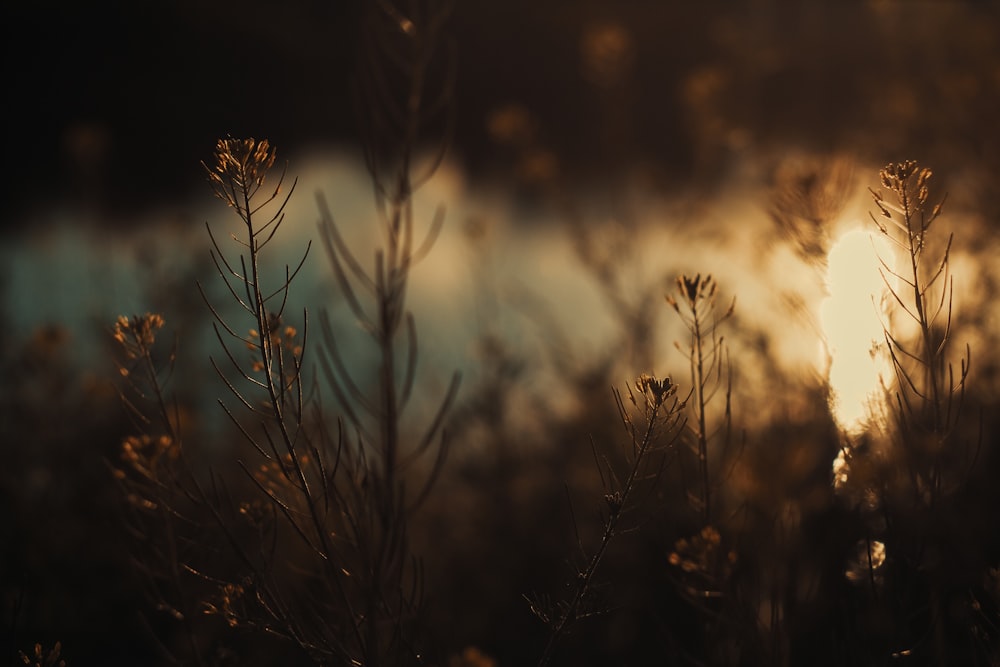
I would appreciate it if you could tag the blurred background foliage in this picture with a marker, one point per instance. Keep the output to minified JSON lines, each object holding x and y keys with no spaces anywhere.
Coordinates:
{"x":114,"y":102}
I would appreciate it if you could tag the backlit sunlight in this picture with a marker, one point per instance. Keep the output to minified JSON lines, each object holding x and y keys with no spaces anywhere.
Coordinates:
{"x":851,"y":318}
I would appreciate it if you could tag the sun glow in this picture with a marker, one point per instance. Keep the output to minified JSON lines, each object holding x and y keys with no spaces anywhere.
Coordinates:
{"x":852,"y":318}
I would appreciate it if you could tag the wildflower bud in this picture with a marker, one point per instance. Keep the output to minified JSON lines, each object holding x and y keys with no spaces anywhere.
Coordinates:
{"x":925,"y":175}
{"x":689,"y":286}
{"x":614,"y":501}
{"x":655,"y":391}
{"x":239,"y":163}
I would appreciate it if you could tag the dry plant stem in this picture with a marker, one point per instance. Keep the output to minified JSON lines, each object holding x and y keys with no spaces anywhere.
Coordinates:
{"x":400,"y":43}
{"x":167,"y":517}
{"x":272,"y":360}
{"x":656,"y":393}
{"x":180,"y":478}
{"x":388,"y":287}
{"x":136,"y":337}
{"x":238,"y":175}
{"x":706,"y":356}
{"x":350,"y":512}
{"x":698,"y":382}
{"x":928,"y":400}
{"x":928,"y":396}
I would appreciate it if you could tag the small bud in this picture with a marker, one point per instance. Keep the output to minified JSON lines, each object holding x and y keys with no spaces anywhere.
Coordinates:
{"x":614,"y":501}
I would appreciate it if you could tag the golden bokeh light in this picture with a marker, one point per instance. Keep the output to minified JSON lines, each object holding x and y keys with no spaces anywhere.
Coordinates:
{"x":851,"y":318}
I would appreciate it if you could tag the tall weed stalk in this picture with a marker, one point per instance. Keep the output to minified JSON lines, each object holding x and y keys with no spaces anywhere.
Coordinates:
{"x":929,"y":390}
{"x":711,"y":373}
{"x":400,"y":106}
{"x":932,"y":451}
{"x":653,"y":423}
{"x":318,"y":520}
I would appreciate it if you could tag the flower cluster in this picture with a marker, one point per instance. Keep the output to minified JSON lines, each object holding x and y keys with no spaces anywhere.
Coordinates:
{"x":655,"y":391}
{"x":281,"y":339}
{"x":693,"y":290}
{"x":702,"y":556}
{"x":896,"y":177}
{"x":241,"y":165}
{"x":230,"y":598}
{"x":138,"y":333}
{"x":908,"y":183}
{"x":145,"y":456}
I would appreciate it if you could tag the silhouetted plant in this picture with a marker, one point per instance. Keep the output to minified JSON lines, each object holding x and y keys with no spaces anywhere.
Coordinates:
{"x":160,"y":491}
{"x":910,"y":484}
{"x":652,"y":424}
{"x":703,"y":564}
{"x":346,"y":589}
{"x":929,"y":391}
{"x":711,"y":373}
{"x":399,"y":107}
